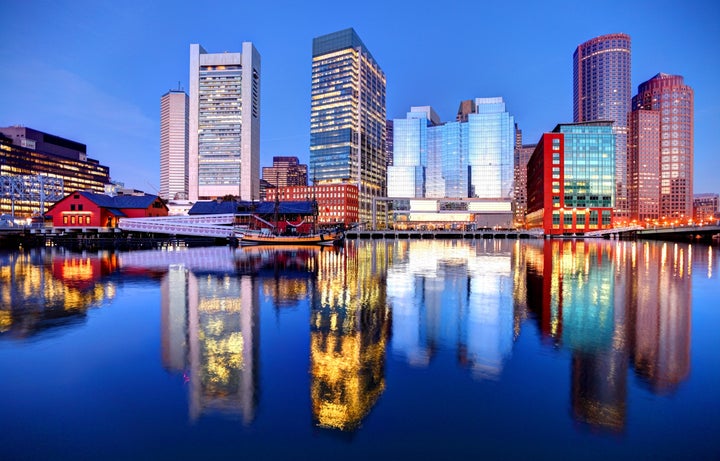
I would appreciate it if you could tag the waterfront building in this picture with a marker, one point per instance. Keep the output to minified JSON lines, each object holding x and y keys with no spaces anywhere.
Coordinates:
{"x":30,"y":157}
{"x":602,"y":90}
{"x":89,"y":209}
{"x":174,"y":106}
{"x":570,"y":179}
{"x":224,"y":119}
{"x":522,"y":156}
{"x":347,"y":119}
{"x":286,"y":171}
{"x":470,"y":160}
{"x":336,"y":203}
{"x":663,"y":112}
{"x":706,"y":206}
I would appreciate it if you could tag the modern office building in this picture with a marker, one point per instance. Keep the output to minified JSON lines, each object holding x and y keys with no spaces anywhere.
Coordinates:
{"x":469,"y":160}
{"x":286,"y":171}
{"x":602,"y":90}
{"x":570,"y":179}
{"x":706,"y":206}
{"x":174,"y":106}
{"x":664,"y":105}
{"x":644,"y":165}
{"x":224,"y":116}
{"x":347,"y":119}
{"x":31,"y":160}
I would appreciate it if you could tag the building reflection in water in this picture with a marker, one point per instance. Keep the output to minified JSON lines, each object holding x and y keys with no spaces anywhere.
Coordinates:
{"x":611,"y":304}
{"x":349,"y":330}
{"x":43,"y":290}
{"x":453,"y":293}
{"x":209,"y":317}
{"x":209,"y":327}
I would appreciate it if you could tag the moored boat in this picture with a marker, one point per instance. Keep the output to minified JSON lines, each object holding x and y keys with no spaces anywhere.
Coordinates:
{"x":266,"y":238}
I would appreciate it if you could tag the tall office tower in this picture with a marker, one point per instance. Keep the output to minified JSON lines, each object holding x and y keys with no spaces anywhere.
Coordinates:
{"x":673,"y":100}
{"x":347,"y":119}
{"x":644,"y":165}
{"x":174,"y":145}
{"x":602,"y":91}
{"x":286,"y":171}
{"x":224,"y":149}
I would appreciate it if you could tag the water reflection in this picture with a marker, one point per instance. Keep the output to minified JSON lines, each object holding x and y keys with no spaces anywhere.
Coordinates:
{"x":47,"y":290}
{"x":621,"y":310}
{"x":349,"y":331}
{"x":454,"y":294}
{"x":613,"y":304}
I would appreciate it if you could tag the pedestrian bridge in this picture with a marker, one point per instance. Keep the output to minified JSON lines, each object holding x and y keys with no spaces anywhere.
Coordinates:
{"x":217,"y":225}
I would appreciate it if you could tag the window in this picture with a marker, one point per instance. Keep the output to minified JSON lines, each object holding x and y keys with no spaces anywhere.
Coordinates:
{"x":65,"y":219}
{"x":80,"y":207}
{"x":72,"y":207}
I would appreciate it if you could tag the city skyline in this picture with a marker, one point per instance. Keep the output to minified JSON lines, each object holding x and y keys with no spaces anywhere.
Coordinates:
{"x":97,"y":80}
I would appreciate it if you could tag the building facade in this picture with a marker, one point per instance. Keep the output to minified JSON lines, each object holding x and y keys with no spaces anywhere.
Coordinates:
{"x":706,"y":207}
{"x":286,"y":171}
{"x":89,"y":209}
{"x":469,"y":159}
{"x":670,"y":101}
{"x":29,"y":158}
{"x":522,"y":157}
{"x":602,"y":90}
{"x":336,"y":203}
{"x":644,"y":165}
{"x":570,"y":179}
{"x":224,"y":120}
{"x":174,"y":107}
{"x":347,"y":119}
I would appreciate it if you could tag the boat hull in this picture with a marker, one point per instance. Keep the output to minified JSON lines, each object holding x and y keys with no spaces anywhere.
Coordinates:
{"x":318,"y":239}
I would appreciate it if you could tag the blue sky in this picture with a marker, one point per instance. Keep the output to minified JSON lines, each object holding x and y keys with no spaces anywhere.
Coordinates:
{"x":94,"y":71}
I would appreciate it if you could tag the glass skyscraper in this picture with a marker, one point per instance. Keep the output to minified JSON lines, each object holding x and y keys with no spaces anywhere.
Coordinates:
{"x":472,"y":158}
{"x":347,"y":120}
{"x":224,"y":117}
{"x":602,"y":91}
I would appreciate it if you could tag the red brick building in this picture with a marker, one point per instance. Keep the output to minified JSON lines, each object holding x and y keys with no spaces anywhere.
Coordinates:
{"x":88,"y":209}
{"x":337,"y":203}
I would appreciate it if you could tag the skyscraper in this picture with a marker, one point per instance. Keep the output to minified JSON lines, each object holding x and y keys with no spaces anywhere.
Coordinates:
{"x":672,"y":100}
{"x":602,"y":90}
{"x":174,"y":145}
{"x":347,"y":119}
{"x":224,"y":148}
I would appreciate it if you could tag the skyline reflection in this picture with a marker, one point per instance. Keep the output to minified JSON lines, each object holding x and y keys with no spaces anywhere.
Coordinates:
{"x":621,"y":310}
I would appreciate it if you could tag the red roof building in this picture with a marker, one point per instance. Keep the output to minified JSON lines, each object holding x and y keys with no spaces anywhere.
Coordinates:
{"x":88,"y":209}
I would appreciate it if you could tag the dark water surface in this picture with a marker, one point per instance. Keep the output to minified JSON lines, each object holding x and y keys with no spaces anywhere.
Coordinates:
{"x":378,"y":350}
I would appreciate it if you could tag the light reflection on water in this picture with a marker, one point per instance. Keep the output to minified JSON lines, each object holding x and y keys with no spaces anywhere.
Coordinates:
{"x":620,"y":313}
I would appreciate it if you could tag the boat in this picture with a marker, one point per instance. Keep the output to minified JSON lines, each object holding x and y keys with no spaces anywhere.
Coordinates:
{"x":274,"y":235}
{"x":263,"y":237}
